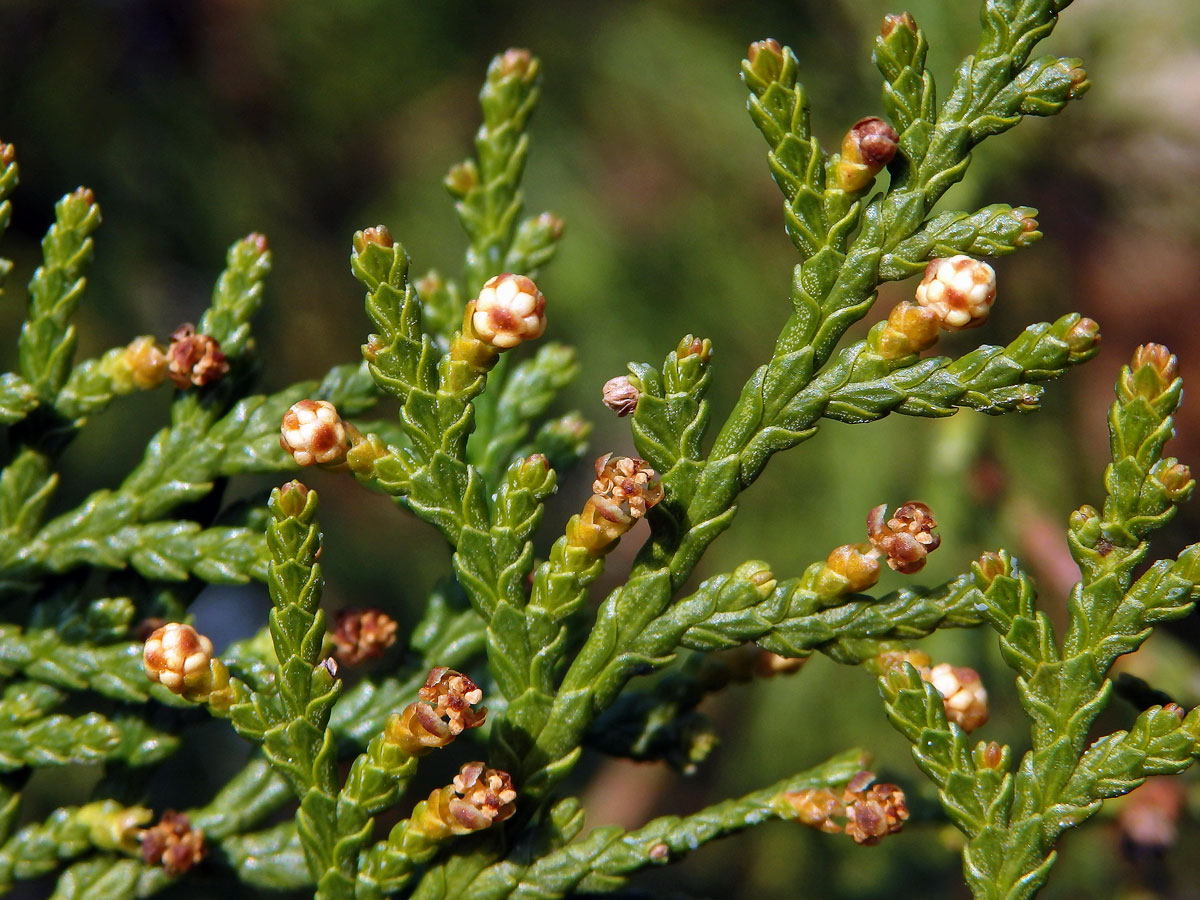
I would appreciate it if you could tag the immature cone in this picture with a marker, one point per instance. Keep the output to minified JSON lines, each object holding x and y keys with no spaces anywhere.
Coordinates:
{"x":1153,"y":369}
{"x":479,"y":798}
{"x":509,"y":310}
{"x":849,"y":569}
{"x":180,"y":659}
{"x":910,"y":329}
{"x":173,"y":844}
{"x":194,"y":359}
{"x":314,"y":433}
{"x":766,"y":59}
{"x":362,"y":634}
{"x":144,"y":362}
{"x":958,"y":290}
{"x":620,"y":395}
{"x":906,"y":538}
{"x":868,"y":146}
{"x":442,"y":714}
{"x":963,"y":694}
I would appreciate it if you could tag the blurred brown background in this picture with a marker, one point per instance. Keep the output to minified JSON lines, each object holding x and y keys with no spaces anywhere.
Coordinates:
{"x":197,"y":122}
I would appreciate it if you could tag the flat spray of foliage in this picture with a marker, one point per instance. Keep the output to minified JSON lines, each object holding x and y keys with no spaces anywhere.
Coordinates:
{"x":475,"y":456}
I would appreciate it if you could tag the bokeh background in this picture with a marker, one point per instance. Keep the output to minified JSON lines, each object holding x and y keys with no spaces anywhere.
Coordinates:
{"x":198,"y":121}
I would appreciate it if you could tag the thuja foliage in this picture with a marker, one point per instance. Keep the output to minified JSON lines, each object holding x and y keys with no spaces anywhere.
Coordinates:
{"x":101,"y":666}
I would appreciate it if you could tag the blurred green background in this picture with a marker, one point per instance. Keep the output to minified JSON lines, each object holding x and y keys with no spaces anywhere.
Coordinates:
{"x":198,"y":121}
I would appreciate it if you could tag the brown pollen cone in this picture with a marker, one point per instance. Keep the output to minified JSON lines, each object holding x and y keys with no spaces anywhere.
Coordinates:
{"x":443,"y":712}
{"x":173,"y":844}
{"x":478,"y":798}
{"x":906,"y":538}
{"x":362,"y":634}
{"x":194,"y":359}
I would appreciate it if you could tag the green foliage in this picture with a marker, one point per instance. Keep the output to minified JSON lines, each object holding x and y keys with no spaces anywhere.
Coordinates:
{"x":477,"y":450}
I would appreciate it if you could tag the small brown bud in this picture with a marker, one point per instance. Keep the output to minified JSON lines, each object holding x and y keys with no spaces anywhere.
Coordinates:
{"x":991,"y":755}
{"x":329,"y":664}
{"x":1176,"y":710}
{"x":962,"y":693}
{"x":766,"y":59}
{"x":379,"y":236}
{"x":959,"y":290}
{"x":906,"y":538}
{"x":868,"y":146}
{"x":509,"y":310}
{"x":173,"y":844}
{"x":910,"y":329}
{"x":1029,"y":227}
{"x":8,"y":154}
{"x":194,"y":359}
{"x":362,"y":634}
{"x":892,"y":21}
{"x":85,"y":194}
{"x":178,"y":657}
{"x":659,"y":853}
{"x":313,"y":433}
{"x":620,"y":395}
{"x":1079,"y":82}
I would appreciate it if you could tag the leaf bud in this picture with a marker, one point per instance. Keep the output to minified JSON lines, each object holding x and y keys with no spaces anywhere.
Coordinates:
{"x":1153,"y":370}
{"x":173,"y":844}
{"x":1175,"y":478}
{"x":313,"y":432}
{"x":552,"y":225}
{"x":868,"y":146}
{"x":509,"y":310}
{"x":694,"y":346}
{"x":958,"y":290}
{"x":462,"y":178}
{"x":1082,"y":338}
{"x":194,"y":359}
{"x":362,"y":634}
{"x":620,"y":395}
{"x":963,"y":694}
{"x":8,"y":154}
{"x":659,"y":853}
{"x":378,"y":236}
{"x":909,"y":329}
{"x":1029,"y":227}
{"x":906,"y":538}
{"x":515,"y":62}
{"x":892,"y":21}
{"x":293,"y":497}
{"x":989,"y":567}
{"x":766,"y":59}
{"x":1079,"y":82}
{"x":112,"y":826}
